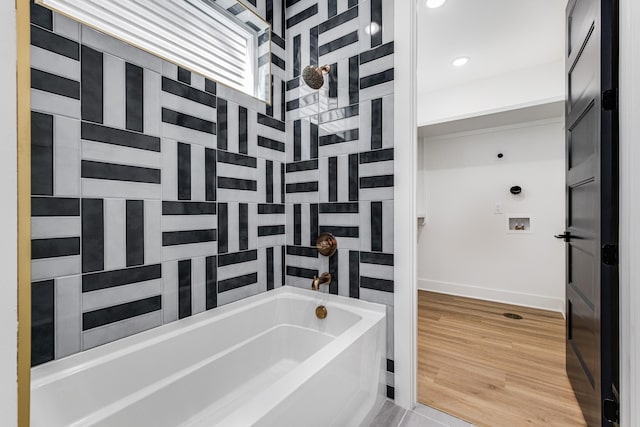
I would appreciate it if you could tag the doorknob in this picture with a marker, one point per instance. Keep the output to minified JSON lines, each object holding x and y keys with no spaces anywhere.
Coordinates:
{"x":564,"y":236}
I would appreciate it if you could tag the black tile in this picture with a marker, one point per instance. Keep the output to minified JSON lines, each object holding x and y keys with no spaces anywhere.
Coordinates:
{"x":237,"y":184}
{"x":293,"y":83}
{"x":222,"y":124}
{"x":309,"y":252}
{"x":172,"y":238}
{"x":116,"y":313}
{"x":376,"y":284}
{"x":391,"y":393}
{"x":211,"y":287}
{"x":297,"y":140}
{"x":184,"y":171}
{"x":313,"y":46}
{"x":135,"y":232}
{"x":304,"y":165}
{"x":337,"y":20}
{"x":41,"y":154}
{"x":42,"y":322}
{"x":376,"y":226}
{"x":277,"y":61}
{"x":354,"y":274}
{"x":210,"y":165}
{"x":341,"y":231}
{"x":335,"y":273}
{"x":339,"y":137}
{"x":243,"y":133}
{"x":210,"y":86}
{"x":338,"y":43}
{"x":297,"y":56}
{"x":376,"y":156}
{"x":376,"y":79}
{"x":92,"y":235}
{"x":184,"y":288}
{"x":91,"y":76}
{"x":353,"y":177}
{"x":333,"y":81}
{"x":270,"y":230}
{"x":333,"y":179}
{"x":313,"y":140}
{"x":184,"y":76}
{"x":54,"y":206}
{"x":54,"y":43}
{"x":282,"y":183}
{"x":271,"y":122}
{"x":339,"y":208}
{"x":376,"y":53}
{"x":108,"y":135}
{"x":376,"y":258}
{"x":237,"y":258}
{"x":354,"y":80}
{"x":332,"y":7}
{"x":297,"y":224}
{"x":390,"y":366}
{"x":305,"y":273}
{"x":237,"y":282}
{"x":243,"y":226}
{"x":188,"y":92}
{"x":109,"y":279}
{"x":109,"y":171}
{"x":376,"y":181}
{"x":270,"y":208}
{"x":271,"y":144}
{"x":269,"y":181}
{"x":223,"y":228}
{"x":188,"y":208}
{"x":269,"y":11}
{"x":376,"y":16}
{"x":376,"y":125}
{"x":187,"y":121}
{"x":270,"y":269}
{"x":56,"y":247}
{"x":313,"y":224}
{"x":53,"y":83}
{"x":302,"y":187}
{"x":237,"y":159}
{"x":302,"y":16}
{"x":41,"y":16}
{"x":134,"y":97}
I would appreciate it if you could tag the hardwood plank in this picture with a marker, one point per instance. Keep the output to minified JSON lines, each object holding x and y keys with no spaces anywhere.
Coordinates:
{"x":480,"y":366}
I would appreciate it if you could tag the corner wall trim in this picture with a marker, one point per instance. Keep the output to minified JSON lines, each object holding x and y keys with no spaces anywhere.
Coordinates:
{"x":496,"y":295}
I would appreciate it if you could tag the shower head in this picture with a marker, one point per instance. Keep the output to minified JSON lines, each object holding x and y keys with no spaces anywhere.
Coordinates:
{"x":313,"y":76}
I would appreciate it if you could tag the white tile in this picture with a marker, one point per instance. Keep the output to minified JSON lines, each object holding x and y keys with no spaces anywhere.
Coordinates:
{"x":51,"y":103}
{"x":240,"y":293}
{"x":130,"y":190}
{"x":183,"y":134}
{"x":170,"y":70}
{"x":115,"y":250}
{"x":114,"y":93}
{"x":152,"y":231}
{"x":117,"y":330}
{"x":51,"y":62}
{"x":186,"y":106}
{"x":188,"y":222}
{"x":198,"y":285}
{"x":169,"y":169}
{"x":152,"y":112}
{"x":188,"y":251}
{"x":170,"y":291}
{"x":66,"y":27}
{"x":235,"y":270}
{"x":412,"y":419}
{"x":52,"y":227}
{"x":66,"y":156}
{"x":55,"y":267}
{"x":101,"y":152}
{"x":233,"y":127}
{"x":197,"y":81}
{"x":198,"y":180}
{"x":67,"y":315}
{"x":120,"y":294}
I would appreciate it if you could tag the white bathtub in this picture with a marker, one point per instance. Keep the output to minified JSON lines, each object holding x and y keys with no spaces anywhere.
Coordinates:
{"x":263,"y":361}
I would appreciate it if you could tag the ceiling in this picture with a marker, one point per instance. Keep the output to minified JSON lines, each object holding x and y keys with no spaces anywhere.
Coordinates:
{"x":498,"y":36}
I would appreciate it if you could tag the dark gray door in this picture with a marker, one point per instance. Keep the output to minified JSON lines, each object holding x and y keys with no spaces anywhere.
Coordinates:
{"x":592,"y":213}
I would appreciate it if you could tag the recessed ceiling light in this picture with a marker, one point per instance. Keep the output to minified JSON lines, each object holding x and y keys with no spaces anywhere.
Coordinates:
{"x":459,"y":62}
{"x":432,"y":4}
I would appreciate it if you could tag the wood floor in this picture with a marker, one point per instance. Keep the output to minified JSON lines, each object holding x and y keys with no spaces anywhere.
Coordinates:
{"x":478,"y":365}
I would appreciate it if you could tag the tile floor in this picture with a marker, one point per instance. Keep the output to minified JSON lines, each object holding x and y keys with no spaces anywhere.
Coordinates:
{"x":391,"y":415}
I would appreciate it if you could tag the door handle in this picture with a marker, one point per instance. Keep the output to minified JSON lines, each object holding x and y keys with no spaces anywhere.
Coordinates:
{"x":564,"y":236}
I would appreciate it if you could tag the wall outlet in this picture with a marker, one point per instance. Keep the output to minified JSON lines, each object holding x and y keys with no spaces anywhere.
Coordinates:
{"x":498,"y":209}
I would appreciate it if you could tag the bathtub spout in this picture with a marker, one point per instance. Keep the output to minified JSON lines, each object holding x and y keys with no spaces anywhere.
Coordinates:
{"x":324,"y":279}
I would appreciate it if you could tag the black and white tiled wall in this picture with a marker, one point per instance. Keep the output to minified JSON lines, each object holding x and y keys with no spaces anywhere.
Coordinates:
{"x":158,"y":194}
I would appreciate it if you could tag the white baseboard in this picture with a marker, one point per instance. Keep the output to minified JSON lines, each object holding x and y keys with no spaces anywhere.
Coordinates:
{"x":496,"y":295}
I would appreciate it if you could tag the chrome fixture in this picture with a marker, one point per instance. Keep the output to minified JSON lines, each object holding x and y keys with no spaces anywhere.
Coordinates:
{"x":314,"y":76}
{"x":324,"y":279}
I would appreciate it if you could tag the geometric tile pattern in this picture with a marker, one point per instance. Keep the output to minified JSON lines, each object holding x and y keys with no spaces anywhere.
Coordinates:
{"x":157,"y":194}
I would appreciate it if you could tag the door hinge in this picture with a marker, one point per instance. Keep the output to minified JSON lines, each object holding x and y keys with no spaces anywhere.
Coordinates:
{"x":610,"y":255}
{"x":611,"y":411}
{"x":610,"y":99}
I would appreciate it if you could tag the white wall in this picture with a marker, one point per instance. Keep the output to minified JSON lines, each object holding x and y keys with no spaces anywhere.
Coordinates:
{"x":536,"y":85}
{"x":8,"y":263}
{"x":464,"y":248}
